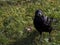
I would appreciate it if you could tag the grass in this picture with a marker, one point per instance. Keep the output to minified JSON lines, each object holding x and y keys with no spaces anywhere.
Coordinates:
{"x":16,"y":15}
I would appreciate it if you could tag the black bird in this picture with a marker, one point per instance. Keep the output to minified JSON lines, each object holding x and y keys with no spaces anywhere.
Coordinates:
{"x":42,"y":23}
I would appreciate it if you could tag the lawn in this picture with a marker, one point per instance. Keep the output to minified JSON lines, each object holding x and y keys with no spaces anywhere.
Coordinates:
{"x":17,"y":15}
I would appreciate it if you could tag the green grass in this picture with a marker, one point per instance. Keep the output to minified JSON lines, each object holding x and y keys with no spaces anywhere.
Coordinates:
{"x":16,"y":15}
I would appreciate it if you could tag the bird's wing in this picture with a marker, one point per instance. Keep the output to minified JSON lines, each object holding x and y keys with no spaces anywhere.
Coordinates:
{"x":46,"y":20}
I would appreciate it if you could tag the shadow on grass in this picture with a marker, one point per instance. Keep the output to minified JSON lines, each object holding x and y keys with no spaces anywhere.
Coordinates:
{"x":29,"y":40}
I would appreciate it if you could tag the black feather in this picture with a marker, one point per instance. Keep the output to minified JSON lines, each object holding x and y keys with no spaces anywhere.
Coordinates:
{"x":41,"y":22}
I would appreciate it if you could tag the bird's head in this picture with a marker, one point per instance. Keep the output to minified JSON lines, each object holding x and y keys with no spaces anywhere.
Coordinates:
{"x":38,"y":13}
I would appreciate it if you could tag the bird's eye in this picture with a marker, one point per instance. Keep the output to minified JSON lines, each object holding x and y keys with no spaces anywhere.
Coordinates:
{"x":40,"y":14}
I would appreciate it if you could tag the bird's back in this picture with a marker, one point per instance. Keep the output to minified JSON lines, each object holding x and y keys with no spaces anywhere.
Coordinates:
{"x":41,"y":25}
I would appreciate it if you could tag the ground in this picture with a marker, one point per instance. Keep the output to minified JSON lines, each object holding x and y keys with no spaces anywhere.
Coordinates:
{"x":16,"y":15}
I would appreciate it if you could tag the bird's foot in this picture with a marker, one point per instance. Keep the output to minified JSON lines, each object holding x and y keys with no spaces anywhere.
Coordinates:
{"x":41,"y":41}
{"x":50,"y":40}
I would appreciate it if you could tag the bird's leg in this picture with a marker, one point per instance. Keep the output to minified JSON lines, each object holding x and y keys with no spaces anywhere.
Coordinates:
{"x":41,"y":39}
{"x":50,"y":37}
